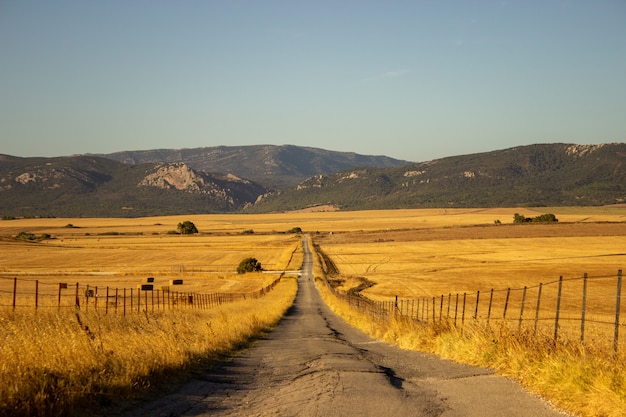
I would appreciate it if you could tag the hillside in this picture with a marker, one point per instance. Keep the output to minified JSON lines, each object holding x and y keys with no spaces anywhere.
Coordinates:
{"x":273,"y":166}
{"x":87,"y":186}
{"x":536,"y":175}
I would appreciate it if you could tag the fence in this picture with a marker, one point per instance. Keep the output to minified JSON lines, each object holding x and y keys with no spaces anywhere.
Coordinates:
{"x":587,"y":309}
{"x":145,"y":298}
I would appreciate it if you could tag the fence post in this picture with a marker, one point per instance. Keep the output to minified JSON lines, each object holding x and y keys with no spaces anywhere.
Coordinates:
{"x":106,"y":303}
{"x":59,"y":299}
{"x":558,"y":309}
{"x":95,"y":298}
{"x":490,"y":303}
{"x":14,"y":291}
{"x":87,"y":298}
{"x":456,"y":308}
{"x":448,"y":314}
{"x":124,"y":308}
{"x":506,"y":303}
{"x":584,"y":310}
{"x":116,"y":298}
{"x":463,"y":314}
{"x":476,"y":309}
{"x":441,"y":309}
{"x":521,"y":310}
{"x":617,"y":308}
{"x":77,"y":298}
{"x":36,"y":294}
{"x":434,"y":315}
{"x":537,"y":308}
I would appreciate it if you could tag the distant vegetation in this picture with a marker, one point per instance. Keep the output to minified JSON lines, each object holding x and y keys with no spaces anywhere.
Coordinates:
{"x":249,"y":265}
{"x":544,"y":218}
{"x":187,"y":228}
{"x":32,"y":237}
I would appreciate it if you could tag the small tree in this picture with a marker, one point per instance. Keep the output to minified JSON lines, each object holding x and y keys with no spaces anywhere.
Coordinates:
{"x":249,"y":265}
{"x":187,"y":228}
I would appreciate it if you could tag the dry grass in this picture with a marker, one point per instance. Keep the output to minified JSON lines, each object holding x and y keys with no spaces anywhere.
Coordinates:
{"x":69,"y":363}
{"x":582,"y":381}
{"x":424,"y":262}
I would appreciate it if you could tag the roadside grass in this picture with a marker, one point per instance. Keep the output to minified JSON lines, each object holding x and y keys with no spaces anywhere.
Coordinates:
{"x":76,"y":363}
{"x":577,"y":379}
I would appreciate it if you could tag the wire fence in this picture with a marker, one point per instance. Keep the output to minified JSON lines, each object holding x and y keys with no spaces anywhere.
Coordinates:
{"x":585,"y":309}
{"x":145,"y":298}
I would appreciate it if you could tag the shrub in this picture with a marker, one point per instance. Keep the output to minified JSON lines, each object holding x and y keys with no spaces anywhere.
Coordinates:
{"x":187,"y":228}
{"x":249,"y":265}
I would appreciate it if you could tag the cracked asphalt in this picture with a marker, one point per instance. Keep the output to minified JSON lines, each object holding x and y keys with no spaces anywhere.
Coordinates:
{"x":314,"y":364}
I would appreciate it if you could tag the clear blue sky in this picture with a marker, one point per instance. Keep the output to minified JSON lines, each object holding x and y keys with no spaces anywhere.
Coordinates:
{"x":415,"y":80}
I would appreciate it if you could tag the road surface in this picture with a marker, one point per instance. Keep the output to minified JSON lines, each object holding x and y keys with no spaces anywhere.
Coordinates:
{"x":314,"y":364}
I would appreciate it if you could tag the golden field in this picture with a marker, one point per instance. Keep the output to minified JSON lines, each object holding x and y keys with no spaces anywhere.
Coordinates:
{"x":408,"y":253}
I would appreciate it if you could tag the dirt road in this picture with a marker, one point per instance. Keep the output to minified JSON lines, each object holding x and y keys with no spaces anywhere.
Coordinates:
{"x":314,"y":364}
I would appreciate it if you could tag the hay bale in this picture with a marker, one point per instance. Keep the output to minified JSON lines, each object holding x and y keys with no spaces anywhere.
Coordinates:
{"x":176,"y":282}
{"x":145,"y":287}
{"x":150,"y":279}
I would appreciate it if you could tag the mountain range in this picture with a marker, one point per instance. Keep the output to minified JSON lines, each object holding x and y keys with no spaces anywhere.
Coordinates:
{"x":268,"y":178}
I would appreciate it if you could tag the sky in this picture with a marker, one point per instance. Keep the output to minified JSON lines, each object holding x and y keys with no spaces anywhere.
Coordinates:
{"x":414,"y":80}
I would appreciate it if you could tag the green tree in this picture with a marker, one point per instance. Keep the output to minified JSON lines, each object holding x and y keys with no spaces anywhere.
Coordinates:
{"x":187,"y":228}
{"x":518,"y":218}
{"x":249,"y":265}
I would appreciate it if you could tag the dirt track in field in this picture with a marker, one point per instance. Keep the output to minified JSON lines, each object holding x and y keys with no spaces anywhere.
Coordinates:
{"x":314,"y":364}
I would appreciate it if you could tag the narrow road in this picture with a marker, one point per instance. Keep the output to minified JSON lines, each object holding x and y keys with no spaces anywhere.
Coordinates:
{"x":314,"y":364}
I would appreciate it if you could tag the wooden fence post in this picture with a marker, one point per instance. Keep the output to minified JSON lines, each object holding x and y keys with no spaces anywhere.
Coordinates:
{"x":584,"y":310}
{"x":59,"y":299}
{"x":106,"y":303}
{"x":521,"y":310}
{"x":14,"y":291}
{"x":558,"y":309}
{"x":537,"y":308}
{"x":476,"y":309}
{"x":463,"y":314}
{"x":77,"y":301}
{"x":36,"y":294}
{"x":124,"y":308}
{"x":434,"y":310}
{"x":490,"y":303}
{"x":456,"y":308}
{"x":441,"y":309}
{"x":448,"y":314}
{"x":617,"y":308}
{"x":87,"y":298}
{"x":506,"y":303}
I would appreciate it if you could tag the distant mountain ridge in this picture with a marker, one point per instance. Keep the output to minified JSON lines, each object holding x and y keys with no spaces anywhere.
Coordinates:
{"x":90,"y":186}
{"x":271,"y":165}
{"x":535,"y":175}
